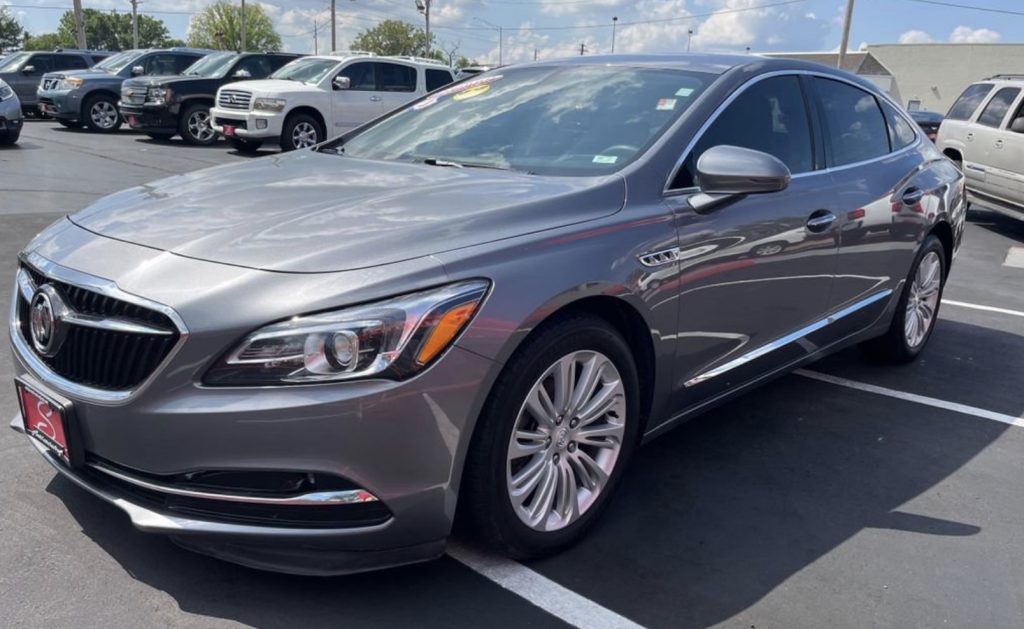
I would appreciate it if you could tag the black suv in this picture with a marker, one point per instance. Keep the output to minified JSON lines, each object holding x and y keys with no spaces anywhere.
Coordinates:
{"x":23,"y":70}
{"x":164,"y":106}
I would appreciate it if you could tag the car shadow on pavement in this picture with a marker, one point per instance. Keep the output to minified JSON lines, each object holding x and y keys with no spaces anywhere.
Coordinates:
{"x":710,"y":519}
{"x":998,"y":223}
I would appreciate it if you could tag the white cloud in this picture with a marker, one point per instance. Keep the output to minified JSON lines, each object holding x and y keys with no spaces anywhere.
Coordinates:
{"x":770,"y":28}
{"x":915,"y":37}
{"x":561,"y":7}
{"x":968,"y":35}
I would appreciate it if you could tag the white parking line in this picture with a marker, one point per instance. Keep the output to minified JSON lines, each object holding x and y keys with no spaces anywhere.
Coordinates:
{"x":553,"y":598}
{"x":913,"y":397}
{"x":964,"y":304}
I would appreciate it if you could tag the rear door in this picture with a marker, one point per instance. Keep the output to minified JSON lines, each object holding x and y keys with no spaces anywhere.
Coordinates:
{"x":956,"y":134}
{"x":26,"y":82}
{"x":1013,"y":148}
{"x":396,"y":83}
{"x":755,"y":275}
{"x":1002,"y":160}
{"x":360,"y":102}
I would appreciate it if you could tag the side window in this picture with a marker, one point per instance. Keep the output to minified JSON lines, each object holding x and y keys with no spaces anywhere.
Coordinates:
{"x":964,"y":106}
{"x":996,"y":108}
{"x":71,"y":62}
{"x":361,"y":75}
{"x":41,"y":63}
{"x":437,"y":79}
{"x":901,"y":133}
{"x":854,"y":125}
{"x":159,"y":64}
{"x":257,"y":67}
{"x":769,"y":116}
{"x":97,"y":58}
{"x":1019,"y":115}
{"x":279,"y":61}
{"x":182,"y":62}
{"x":392,"y":77}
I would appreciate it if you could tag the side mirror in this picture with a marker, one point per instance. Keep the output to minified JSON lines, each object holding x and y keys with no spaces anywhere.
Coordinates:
{"x":138,"y":70}
{"x":725,"y":172}
{"x":242,"y":74}
{"x":1017,"y":126}
{"x":28,"y":70}
{"x":342,"y":83}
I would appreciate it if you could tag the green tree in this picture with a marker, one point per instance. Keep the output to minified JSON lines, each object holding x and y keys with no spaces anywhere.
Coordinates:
{"x":113,"y":31}
{"x":10,"y":30}
{"x":395,"y":37}
{"x":219,"y":26}
{"x":46,"y":41}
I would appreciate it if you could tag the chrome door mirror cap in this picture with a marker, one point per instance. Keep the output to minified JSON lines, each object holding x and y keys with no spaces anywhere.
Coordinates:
{"x":726,"y":172}
{"x":242,"y":74}
{"x":28,"y":70}
{"x":342,"y":83}
{"x":138,"y":70}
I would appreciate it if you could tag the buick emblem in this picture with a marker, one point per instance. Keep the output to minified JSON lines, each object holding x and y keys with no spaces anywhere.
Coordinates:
{"x":46,"y":325}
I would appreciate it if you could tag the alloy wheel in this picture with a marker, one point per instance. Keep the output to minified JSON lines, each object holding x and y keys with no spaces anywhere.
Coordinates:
{"x":566,"y":441}
{"x":199,"y":126}
{"x":923,"y":299}
{"x":103,"y":114}
{"x":304,"y":135}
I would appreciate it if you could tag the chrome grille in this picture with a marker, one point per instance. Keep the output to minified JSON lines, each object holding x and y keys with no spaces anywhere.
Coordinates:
{"x":133,"y":95}
{"x":234,"y":99}
{"x":110,"y":344}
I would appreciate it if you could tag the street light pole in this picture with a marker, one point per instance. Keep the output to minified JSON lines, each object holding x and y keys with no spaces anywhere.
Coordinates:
{"x":615,"y":21}
{"x":79,"y":25}
{"x":423,"y":6}
{"x":501,"y":37}
{"x":135,"y":22}
{"x":689,"y":38}
{"x":334,"y":26}
{"x":242,"y":46}
{"x":845,"y":41}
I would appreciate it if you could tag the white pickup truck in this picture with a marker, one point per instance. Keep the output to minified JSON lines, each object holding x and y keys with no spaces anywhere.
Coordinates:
{"x":316,"y":98}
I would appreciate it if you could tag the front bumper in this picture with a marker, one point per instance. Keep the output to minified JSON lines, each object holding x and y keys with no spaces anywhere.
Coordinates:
{"x":248,"y":125}
{"x":149,"y":117}
{"x":63,"y":104}
{"x":403,"y":442}
{"x":11,"y":118}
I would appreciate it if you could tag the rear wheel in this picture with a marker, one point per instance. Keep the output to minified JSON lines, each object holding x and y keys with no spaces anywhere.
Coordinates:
{"x":552,"y":442}
{"x":11,"y":137}
{"x":917,"y":309}
{"x":101,"y":114}
{"x":245,"y":146}
{"x":194,"y":125}
{"x":301,"y":131}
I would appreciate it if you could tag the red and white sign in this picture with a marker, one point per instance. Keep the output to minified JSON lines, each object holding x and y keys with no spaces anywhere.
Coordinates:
{"x":44,"y":420}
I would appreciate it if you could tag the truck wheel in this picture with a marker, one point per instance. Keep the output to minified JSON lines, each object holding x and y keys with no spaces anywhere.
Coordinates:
{"x":10,"y":138}
{"x":301,"y":131}
{"x":194,"y":125}
{"x":101,"y":114}
{"x":245,"y":146}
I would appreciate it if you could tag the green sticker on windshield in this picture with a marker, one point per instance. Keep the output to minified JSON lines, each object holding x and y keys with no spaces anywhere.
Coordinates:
{"x":605,"y":159}
{"x":684,"y":91}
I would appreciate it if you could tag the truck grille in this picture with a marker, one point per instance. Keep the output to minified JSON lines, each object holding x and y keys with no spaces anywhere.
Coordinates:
{"x":50,"y":84}
{"x":121,"y":347}
{"x":133,"y":95}
{"x":234,"y":99}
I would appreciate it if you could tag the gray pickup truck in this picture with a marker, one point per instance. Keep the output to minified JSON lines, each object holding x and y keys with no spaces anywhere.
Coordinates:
{"x":90,"y":97}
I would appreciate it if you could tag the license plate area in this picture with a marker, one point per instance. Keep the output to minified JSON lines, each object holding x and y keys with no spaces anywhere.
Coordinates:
{"x":49,"y":420}
{"x":229,"y":130}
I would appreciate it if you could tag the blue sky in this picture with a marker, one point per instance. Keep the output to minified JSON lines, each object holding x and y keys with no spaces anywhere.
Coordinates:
{"x":556,"y":28}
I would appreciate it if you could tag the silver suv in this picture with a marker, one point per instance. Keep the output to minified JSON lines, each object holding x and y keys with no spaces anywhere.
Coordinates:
{"x":984,"y":134}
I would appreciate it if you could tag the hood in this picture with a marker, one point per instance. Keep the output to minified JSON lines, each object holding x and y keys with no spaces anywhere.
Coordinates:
{"x":83,"y":74}
{"x":270,"y":86}
{"x":312,"y":212}
{"x":156,"y":80}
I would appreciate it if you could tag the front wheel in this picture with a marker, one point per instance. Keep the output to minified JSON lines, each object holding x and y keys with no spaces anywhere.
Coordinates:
{"x":194,"y":126}
{"x":552,"y":442}
{"x":917,"y":310}
{"x":101,"y":114}
{"x":10,"y":138}
{"x":301,"y":131}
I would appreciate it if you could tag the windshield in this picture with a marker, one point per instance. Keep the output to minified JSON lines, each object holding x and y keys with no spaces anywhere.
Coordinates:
{"x":118,"y":62}
{"x":306,"y":70}
{"x":212,"y":66}
{"x":561,"y":120}
{"x":13,"y":63}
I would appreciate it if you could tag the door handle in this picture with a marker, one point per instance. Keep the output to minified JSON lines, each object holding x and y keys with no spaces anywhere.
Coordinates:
{"x":999,"y":144}
{"x":375,"y":99}
{"x":820,"y":220}
{"x":970,"y":137}
{"x":912,"y":196}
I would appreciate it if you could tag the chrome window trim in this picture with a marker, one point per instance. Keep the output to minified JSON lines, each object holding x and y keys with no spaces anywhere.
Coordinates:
{"x":106,"y":287}
{"x":667,"y":191}
{"x":317,"y":498}
{"x":787,"y":339}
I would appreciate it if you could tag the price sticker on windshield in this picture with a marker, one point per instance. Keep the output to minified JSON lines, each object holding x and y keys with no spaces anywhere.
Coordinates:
{"x":462,"y":91}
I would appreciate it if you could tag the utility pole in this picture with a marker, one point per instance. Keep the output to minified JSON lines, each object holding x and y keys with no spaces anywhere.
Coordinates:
{"x":501,"y":36}
{"x":334,"y":25}
{"x":135,"y":22}
{"x":615,"y":21}
{"x":583,"y":48}
{"x":534,"y":53}
{"x":242,"y":48}
{"x":689,"y":38}
{"x":423,"y":6}
{"x":316,"y":39}
{"x":80,"y":26}
{"x":845,"y":41}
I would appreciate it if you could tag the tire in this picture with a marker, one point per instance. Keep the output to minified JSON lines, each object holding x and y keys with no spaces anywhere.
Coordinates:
{"x":160,"y":137}
{"x":492,"y":473}
{"x":301,"y":131}
{"x":194,"y":125}
{"x":69,"y":124}
{"x":100,"y":114}
{"x":902,"y":342}
{"x":9,"y":138}
{"x":245,"y":146}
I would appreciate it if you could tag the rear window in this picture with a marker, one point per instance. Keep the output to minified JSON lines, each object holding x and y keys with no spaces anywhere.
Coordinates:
{"x":856,"y":129}
{"x":996,"y":108}
{"x":969,"y":101}
{"x":901,"y":133}
{"x":437,"y":78}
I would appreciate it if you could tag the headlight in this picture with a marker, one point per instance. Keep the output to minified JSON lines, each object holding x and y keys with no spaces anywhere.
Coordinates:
{"x":70,"y":83}
{"x":269,"y":104}
{"x":5,"y":90}
{"x":158,"y":95}
{"x":393,"y":339}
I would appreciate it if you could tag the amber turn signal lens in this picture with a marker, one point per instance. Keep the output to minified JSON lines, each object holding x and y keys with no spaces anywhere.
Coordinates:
{"x":445,"y":330}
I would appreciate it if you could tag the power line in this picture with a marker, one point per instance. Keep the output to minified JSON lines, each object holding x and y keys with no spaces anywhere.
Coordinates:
{"x":969,"y":7}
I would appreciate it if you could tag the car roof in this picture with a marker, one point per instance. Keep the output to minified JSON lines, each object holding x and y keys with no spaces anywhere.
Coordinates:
{"x":711,"y":63}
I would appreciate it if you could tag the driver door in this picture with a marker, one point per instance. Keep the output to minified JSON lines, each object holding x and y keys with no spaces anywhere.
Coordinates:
{"x":360,"y":102}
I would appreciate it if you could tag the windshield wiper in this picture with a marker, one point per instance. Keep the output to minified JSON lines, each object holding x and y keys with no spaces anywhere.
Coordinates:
{"x":436,"y":161}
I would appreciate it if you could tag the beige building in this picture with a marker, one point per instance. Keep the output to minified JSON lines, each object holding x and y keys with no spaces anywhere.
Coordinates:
{"x":924,"y":76}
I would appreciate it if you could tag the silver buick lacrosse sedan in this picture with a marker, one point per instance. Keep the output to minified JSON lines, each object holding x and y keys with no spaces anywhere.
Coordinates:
{"x":475,"y":308}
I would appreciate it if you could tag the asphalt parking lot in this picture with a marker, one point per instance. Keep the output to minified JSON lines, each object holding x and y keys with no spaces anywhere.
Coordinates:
{"x":847,"y":495}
